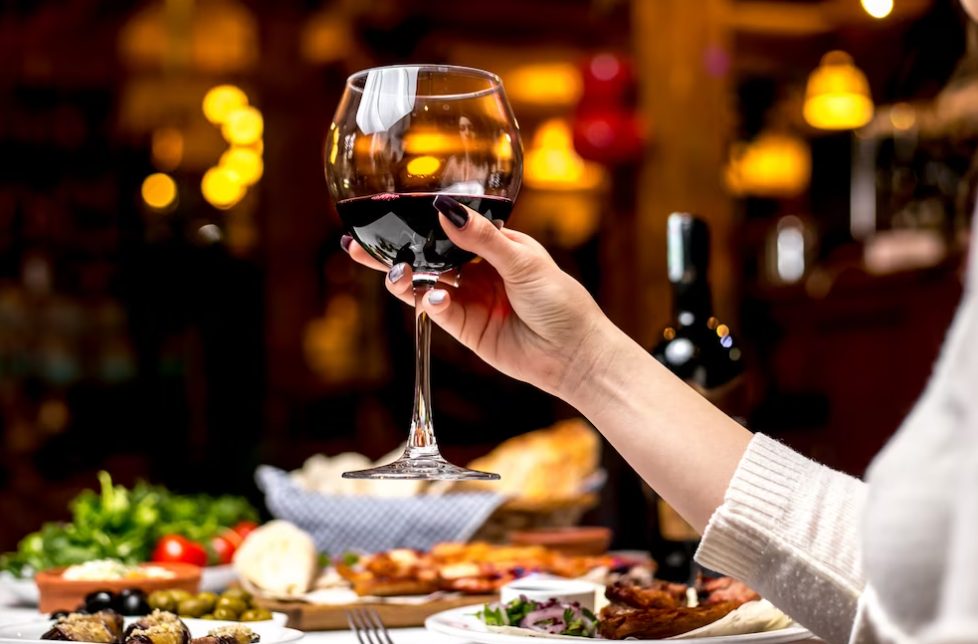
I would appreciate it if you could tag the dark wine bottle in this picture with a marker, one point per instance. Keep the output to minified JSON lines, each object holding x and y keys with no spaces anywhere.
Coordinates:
{"x":699,"y":348}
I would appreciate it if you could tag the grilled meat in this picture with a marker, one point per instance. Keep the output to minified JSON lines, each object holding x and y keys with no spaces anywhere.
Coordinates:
{"x":659,"y":594}
{"x":659,"y":623}
{"x":719,"y":590}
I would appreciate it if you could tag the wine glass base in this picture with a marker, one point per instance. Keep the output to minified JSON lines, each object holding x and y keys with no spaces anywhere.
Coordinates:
{"x":426,"y":468}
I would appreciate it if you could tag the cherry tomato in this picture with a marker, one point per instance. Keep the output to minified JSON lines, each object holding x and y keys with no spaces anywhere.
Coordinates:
{"x":224,"y":545}
{"x":174,"y":548}
{"x":244,"y":528}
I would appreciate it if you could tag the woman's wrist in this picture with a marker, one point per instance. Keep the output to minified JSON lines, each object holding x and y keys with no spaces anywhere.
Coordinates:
{"x":593,"y":372}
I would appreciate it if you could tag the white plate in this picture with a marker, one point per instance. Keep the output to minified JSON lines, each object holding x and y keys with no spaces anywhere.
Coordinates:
{"x":215,"y":579}
{"x":272,"y":631}
{"x":23,"y":591}
{"x":462,"y":623}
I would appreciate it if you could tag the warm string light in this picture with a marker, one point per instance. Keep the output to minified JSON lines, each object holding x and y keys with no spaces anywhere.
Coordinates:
{"x":159,"y":191}
{"x":241,"y":165}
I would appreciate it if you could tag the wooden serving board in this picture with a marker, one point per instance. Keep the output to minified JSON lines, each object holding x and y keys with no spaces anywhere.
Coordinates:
{"x":317,"y":617}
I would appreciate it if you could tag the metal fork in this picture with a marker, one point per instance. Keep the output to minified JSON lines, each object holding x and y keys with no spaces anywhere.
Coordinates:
{"x":366,"y":624}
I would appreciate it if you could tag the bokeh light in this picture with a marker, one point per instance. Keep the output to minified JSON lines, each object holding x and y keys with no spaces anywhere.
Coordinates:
{"x":244,"y":162}
{"x":243,"y":126}
{"x":878,"y":8}
{"x":423,"y":166}
{"x":222,"y":188}
{"x":220,"y":101}
{"x":167,"y":148}
{"x":159,"y":191}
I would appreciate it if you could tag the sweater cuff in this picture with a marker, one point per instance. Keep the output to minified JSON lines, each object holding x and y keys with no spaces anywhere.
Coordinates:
{"x":755,"y":504}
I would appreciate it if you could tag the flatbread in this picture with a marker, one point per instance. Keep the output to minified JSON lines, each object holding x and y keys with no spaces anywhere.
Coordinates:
{"x":753,"y":617}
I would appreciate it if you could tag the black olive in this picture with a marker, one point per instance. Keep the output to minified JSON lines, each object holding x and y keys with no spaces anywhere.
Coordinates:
{"x":99,"y":600}
{"x":59,"y":614}
{"x":133,"y":603}
{"x":131,"y":591}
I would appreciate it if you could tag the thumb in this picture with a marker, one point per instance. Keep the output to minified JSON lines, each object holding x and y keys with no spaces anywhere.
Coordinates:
{"x":477,"y":234}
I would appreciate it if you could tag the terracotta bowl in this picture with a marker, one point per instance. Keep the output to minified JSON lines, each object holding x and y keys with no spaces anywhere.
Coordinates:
{"x":57,"y":593}
{"x":576,"y":541}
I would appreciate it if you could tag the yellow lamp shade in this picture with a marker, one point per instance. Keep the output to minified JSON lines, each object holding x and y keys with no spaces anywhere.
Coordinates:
{"x":553,"y":164}
{"x":837,"y":96}
{"x":159,"y":191}
{"x":551,"y":84}
{"x":221,"y":101}
{"x":243,"y":126}
{"x":222,"y":188}
{"x":773,"y":165}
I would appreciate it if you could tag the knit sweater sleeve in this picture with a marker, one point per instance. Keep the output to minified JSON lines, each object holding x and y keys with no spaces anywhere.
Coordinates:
{"x":790,"y":529}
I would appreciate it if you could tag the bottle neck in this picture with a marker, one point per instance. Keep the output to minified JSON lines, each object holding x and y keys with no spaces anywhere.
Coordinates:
{"x":688,"y":258}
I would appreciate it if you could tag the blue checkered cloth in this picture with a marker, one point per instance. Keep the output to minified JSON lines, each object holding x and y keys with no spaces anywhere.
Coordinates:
{"x":341,"y":524}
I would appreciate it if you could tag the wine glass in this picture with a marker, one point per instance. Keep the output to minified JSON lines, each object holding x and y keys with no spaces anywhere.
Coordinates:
{"x":401,"y":137}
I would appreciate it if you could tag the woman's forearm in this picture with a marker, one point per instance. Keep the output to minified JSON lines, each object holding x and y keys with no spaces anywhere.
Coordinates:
{"x":686,"y":449}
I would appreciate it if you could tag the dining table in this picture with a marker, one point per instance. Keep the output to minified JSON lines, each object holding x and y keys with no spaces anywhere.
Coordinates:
{"x":11,"y":613}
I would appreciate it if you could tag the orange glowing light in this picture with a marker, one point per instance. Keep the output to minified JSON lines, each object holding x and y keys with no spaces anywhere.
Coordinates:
{"x":243,"y":126}
{"x":159,"y":191}
{"x":222,"y":188}
{"x":220,"y":101}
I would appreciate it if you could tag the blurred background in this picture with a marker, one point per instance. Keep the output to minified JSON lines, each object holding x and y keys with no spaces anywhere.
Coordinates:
{"x":174,"y":303}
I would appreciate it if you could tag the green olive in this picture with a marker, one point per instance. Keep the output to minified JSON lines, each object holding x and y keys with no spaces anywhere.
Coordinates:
{"x":162,"y":600}
{"x":225,"y":614}
{"x":237,"y":593}
{"x":255,"y":615}
{"x":232,"y":603}
{"x":179,"y":595}
{"x":209,"y":599}
{"x":208,"y":616}
{"x":191,"y":608}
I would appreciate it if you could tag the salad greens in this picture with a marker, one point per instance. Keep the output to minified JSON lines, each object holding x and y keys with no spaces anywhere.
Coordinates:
{"x":123,"y":524}
{"x":553,"y":617}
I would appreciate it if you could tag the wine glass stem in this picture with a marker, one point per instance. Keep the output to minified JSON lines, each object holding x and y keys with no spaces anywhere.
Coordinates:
{"x":421,"y":441}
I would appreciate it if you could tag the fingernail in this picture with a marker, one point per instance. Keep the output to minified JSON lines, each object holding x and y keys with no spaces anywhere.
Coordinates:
{"x":437,"y":296}
{"x":396,"y":273}
{"x":345,"y":242}
{"x":456,"y":212}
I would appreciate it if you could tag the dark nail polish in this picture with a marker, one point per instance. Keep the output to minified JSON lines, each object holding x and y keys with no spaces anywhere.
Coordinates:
{"x":456,"y":212}
{"x":345,"y":242}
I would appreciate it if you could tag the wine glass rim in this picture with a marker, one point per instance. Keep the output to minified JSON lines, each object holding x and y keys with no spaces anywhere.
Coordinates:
{"x":496,"y":83}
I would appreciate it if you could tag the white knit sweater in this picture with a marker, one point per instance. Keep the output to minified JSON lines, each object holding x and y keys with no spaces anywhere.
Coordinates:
{"x":893,"y":560}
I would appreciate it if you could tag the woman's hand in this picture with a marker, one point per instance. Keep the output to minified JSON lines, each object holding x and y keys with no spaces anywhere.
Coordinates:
{"x":515,"y":309}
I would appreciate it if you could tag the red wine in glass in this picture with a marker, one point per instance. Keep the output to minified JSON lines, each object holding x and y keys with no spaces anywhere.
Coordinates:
{"x":397,"y":228}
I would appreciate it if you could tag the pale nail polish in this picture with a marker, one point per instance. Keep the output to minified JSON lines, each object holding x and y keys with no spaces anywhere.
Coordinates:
{"x":396,"y":273}
{"x":437,"y":296}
